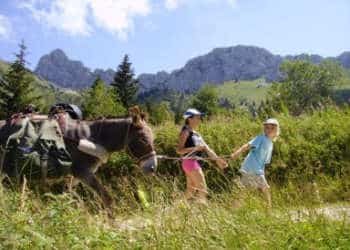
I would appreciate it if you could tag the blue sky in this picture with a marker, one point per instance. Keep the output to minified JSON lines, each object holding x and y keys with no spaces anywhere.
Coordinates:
{"x":164,"y":34}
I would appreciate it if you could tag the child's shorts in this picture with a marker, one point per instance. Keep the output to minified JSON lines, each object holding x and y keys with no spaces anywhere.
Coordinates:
{"x":253,"y":181}
{"x":190,"y":165}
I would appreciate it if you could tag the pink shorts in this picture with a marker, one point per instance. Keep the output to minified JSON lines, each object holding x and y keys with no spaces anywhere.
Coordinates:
{"x":190,"y":165}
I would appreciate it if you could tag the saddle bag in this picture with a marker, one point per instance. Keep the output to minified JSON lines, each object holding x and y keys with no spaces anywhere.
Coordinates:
{"x":34,"y":149}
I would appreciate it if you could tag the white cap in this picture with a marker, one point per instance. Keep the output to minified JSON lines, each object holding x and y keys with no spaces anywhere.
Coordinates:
{"x":272,"y":121}
{"x":192,"y":112}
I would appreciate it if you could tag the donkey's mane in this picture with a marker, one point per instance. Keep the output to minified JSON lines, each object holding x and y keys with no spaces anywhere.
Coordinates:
{"x":124,"y":117}
{"x":114,"y":119}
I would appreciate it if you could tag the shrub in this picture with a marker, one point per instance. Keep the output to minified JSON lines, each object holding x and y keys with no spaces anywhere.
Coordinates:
{"x":206,"y":100}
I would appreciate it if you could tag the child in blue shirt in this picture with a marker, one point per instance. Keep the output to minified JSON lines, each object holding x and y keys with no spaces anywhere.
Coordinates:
{"x":260,"y":152}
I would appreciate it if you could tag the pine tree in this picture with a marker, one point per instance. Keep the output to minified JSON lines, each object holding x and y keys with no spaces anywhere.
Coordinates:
{"x":125,"y":85}
{"x":100,"y":101}
{"x":15,"y":86}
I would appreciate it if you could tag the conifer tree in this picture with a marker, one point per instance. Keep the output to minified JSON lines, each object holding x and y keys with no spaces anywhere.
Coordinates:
{"x":16,"y":86}
{"x":124,"y":83}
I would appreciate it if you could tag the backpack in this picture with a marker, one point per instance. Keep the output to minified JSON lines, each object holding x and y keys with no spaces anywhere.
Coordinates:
{"x":34,"y":149}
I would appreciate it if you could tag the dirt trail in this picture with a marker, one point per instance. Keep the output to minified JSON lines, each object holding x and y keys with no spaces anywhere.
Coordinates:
{"x":338,"y":213}
{"x":132,"y":224}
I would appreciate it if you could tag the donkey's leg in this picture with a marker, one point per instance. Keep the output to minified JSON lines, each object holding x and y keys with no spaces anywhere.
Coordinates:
{"x":91,"y":180}
{"x":71,"y":182}
{"x":84,"y":168}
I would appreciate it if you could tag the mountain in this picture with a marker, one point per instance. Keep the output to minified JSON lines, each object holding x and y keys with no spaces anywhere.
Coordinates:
{"x":220,"y":65}
{"x":49,"y":92}
{"x":344,"y":59}
{"x":227,"y":64}
{"x":59,"y":69}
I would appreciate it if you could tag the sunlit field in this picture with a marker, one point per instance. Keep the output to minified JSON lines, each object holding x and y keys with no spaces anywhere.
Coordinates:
{"x":310,"y":188}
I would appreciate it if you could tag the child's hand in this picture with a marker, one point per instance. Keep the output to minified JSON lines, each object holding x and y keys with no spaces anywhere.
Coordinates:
{"x":221,"y":163}
{"x":283,"y":165}
{"x":234,"y":156}
{"x":241,"y":150}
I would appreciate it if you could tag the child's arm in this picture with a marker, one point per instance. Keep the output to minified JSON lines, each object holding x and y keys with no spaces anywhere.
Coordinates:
{"x":241,"y":150}
{"x":181,"y":150}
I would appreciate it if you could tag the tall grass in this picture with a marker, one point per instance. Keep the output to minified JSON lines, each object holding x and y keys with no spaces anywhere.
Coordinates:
{"x":64,"y":222}
{"x":310,"y":168}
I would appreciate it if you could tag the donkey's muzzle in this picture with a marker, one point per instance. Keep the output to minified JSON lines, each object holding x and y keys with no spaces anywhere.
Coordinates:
{"x":149,"y":166}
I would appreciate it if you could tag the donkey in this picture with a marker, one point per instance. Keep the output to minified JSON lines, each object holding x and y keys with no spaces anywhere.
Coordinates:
{"x":131,"y":133}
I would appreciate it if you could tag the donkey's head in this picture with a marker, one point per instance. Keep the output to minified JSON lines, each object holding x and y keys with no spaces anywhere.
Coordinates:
{"x":139,"y":142}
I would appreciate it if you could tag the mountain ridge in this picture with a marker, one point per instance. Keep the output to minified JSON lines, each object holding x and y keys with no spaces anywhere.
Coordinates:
{"x":236,"y":63}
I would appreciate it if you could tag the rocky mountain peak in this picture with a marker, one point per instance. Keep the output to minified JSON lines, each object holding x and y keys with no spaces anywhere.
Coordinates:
{"x":64,"y":72}
{"x":239,"y":62}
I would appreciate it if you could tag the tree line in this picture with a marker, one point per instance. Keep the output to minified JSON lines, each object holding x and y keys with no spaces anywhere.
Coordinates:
{"x":304,"y":86}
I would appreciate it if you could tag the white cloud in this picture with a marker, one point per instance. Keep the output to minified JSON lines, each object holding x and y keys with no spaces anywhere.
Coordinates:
{"x":5,"y":27}
{"x":116,"y":16}
{"x":77,"y":16}
{"x":65,"y":15}
{"x":81,"y":17}
{"x":232,"y":3}
{"x":172,"y":4}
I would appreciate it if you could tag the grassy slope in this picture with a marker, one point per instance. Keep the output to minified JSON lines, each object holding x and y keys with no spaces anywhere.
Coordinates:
{"x":248,"y":90}
{"x":3,"y":66}
{"x":243,"y":90}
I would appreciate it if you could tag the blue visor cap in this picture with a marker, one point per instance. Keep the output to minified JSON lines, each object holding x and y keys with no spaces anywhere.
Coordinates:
{"x":192,"y":112}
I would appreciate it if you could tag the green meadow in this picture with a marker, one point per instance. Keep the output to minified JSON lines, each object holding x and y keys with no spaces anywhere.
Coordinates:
{"x":247,"y":91}
{"x":310,"y":183}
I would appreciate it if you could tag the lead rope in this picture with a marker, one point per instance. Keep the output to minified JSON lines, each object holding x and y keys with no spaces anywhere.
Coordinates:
{"x":174,"y":158}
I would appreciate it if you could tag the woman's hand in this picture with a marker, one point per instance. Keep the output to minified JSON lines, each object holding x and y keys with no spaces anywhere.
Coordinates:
{"x":201,"y":148}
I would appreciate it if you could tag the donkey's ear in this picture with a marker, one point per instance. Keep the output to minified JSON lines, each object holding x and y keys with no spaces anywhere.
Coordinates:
{"x":134,"y":110}
{"x":137,"y":116}
{"x":144,"y":116}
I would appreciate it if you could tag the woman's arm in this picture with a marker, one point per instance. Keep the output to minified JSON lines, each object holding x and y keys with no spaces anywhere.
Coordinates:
{"x":241,"y":150}
{"x":37,"y":117}
{"x":181,"y":150}
{"x":220,"y":162}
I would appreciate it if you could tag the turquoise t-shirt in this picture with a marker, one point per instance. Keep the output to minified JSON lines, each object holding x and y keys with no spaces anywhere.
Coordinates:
{"x":259,"y":155}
